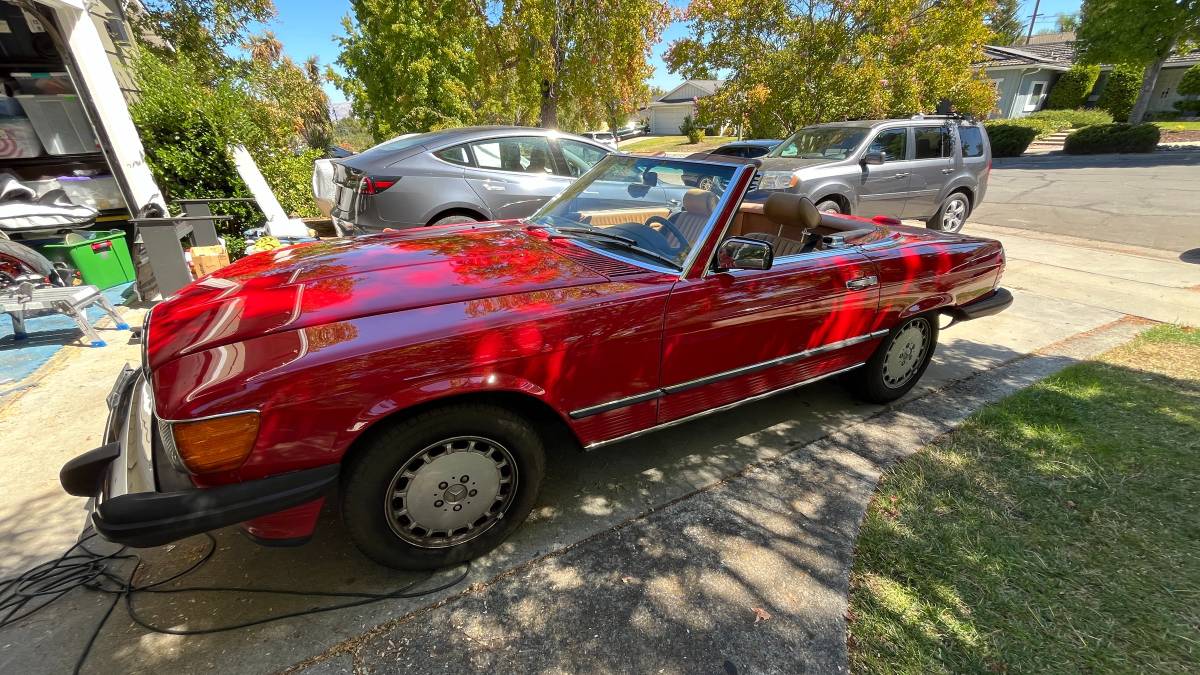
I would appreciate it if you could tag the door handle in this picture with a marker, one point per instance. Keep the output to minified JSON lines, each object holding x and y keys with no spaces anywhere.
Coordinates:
{"x":947,"y":170}
{"x":862,"y":282}
{"x":902,"y":175}
{"x":492,"y":186}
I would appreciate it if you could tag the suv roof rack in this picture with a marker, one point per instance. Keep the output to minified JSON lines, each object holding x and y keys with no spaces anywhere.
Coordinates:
{"x":951,"y":116}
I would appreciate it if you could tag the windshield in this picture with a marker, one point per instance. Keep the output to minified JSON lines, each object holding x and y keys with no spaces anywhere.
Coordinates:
{"x":821,"y":143}
{"x":645,"y":209}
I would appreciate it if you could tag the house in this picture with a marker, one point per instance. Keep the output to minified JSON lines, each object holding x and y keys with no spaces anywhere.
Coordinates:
{"x":1023,"y":75}
{"x":665,"y":113}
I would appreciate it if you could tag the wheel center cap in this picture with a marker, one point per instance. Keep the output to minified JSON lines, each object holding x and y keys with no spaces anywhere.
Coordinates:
{"x":455,"y":493}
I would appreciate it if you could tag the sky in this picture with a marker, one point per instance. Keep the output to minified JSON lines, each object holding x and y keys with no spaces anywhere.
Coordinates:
{"x":308,"y":28}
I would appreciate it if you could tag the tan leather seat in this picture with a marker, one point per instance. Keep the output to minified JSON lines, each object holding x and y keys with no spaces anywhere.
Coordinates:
{"x":697,"y":208}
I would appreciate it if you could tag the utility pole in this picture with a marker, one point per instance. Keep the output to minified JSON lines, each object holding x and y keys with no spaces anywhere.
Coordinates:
{"x":1036,"y":4}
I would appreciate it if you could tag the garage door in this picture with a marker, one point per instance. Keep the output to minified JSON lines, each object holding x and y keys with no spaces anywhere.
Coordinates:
{"x":666,"y":121}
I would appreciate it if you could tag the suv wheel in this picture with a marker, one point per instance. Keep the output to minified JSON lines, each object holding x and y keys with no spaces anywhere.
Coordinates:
{"x":952,"y":215}
{"x":829,"y":206}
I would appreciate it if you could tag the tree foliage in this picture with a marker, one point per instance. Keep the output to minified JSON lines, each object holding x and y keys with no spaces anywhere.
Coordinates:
{"x":201,"y":29}
{"x":1190,"y":84}
{"x":792,"y":64}
{"x":1137,"y":32}
{"x":1004,"y":19}
{"x":1072,"y":88}
{"x":416,"y":66}
{"x":1120,"y":91}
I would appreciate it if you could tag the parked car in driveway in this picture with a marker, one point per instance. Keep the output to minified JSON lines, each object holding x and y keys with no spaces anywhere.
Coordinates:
{"x":456,"y":176}
{"x":755,"y":147}
{"x":601,"y":137}
{"x":425,"y":374}
{"x":931,"y":168}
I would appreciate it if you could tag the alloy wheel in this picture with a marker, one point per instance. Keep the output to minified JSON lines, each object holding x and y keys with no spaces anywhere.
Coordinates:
{"x":954,"y":214}
{"x":906,"y":353}
{"x":451,"y":492}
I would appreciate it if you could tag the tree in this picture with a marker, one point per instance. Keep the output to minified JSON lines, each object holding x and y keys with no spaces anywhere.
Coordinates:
{"x":1067,"y":23}
{"x":791,"y":65}
{"x":1005,"y":21}
{"x":1072,"y":88}
{"x":1139,"y":32}
{"x":201,"y":29}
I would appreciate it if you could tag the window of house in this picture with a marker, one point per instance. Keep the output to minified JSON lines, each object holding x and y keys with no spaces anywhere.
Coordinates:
{"x":1035,"y":97}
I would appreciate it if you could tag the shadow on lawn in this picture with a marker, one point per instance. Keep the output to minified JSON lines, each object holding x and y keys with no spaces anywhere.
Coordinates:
{"x":1046,"y":535}
{"x":795,"y":518}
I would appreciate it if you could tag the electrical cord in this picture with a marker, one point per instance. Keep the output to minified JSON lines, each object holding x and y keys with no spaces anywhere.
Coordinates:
{"x":26,"y":594}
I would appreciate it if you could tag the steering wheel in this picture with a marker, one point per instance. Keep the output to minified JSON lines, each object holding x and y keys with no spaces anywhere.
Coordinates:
{"x":673,"y":230}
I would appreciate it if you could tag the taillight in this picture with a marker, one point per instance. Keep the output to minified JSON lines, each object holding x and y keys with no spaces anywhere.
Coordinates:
{"x":373,"y":186}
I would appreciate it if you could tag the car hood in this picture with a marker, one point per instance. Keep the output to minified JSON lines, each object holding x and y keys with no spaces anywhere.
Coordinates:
{"x":792,"y":164}
{"x":322,"y":282}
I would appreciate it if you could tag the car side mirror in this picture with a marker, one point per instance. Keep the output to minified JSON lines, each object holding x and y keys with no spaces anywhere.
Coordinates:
{"x":875,"y":158}
{"x":741,"y":253}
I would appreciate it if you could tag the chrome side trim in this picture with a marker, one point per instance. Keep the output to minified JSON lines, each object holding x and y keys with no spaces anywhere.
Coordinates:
{"x":717,"y":377}
{"x":613,"y":405}
{"x":723,"y":408}
{"x":763,"y":365}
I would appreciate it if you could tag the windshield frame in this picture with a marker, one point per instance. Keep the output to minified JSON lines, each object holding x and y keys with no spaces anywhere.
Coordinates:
{"x":850,"y":154}
{"x":579,"y":184}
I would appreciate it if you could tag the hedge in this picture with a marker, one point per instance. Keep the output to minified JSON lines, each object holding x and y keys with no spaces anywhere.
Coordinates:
{"x":1072,"y":88}
{"x":1103,"y":138}
{"x":1072,"y":119}
{"x":1120,"y":91}
{"x":1010,"y":140}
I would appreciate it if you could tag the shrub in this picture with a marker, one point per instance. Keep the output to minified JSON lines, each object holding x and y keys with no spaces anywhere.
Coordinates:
{"x":1010,"y":140}
{"x":1188,"y":107}
{"x":1112,"y":138}
{"x":1072,"y":119}
{"x":1120,"y":91}
{"x":1190,"y":84}
{"x":1072,"y":88}
{"x":1040,"y":127}
{"x":691,"y":129}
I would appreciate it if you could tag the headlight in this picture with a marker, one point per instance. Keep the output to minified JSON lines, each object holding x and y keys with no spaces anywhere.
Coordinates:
{"x":778,"y":180}
{"x":216,"y":444}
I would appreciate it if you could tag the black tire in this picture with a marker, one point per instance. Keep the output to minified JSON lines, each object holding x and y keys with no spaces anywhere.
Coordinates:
{"x":829,"y":206}
{"x":368,"y":477}
{"x":961,"y":204}
{"x":35,"y":262}
{"x":454,"y":218}
{"x":873,"y":383}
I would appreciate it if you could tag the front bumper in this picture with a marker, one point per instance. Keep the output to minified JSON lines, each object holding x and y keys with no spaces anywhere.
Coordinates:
{"x":125,"y":475}
{"x":993,"y":303}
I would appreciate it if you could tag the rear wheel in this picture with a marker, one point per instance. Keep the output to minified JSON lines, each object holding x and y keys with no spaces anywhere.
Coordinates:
{"x":829,"y":206}
{"x":952,"y":215}
{"x":454,"y":218}
{"x":899,"y":362}
{"x":443,"y":487}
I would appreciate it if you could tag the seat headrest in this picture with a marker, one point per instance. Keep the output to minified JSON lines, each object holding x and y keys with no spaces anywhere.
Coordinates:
{"x":699,"y":202}
{"x":785,"y":208}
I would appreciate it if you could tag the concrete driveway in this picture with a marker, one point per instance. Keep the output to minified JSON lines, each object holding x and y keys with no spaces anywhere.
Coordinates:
{"x":656,"y":553}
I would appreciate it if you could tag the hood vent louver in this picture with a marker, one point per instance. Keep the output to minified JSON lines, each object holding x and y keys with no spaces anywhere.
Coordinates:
{"x":597,"y":262}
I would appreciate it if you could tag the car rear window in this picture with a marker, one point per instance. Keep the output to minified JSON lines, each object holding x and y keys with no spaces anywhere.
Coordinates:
{"x":455,"y":155}
{"x":972,"y":141}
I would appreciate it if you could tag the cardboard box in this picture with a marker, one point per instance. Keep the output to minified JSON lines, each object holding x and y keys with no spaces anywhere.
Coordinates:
{"x":207,"y":259}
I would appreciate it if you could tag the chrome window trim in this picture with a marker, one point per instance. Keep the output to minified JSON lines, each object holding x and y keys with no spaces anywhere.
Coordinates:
{"x":722,"y":408}
{"x":723,"y":375}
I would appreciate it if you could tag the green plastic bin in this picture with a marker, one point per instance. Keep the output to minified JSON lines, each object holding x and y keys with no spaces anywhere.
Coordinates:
{"x":102,"y":258}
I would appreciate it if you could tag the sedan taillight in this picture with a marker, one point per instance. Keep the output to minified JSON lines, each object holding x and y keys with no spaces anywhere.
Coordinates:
{"x":373,"y":186}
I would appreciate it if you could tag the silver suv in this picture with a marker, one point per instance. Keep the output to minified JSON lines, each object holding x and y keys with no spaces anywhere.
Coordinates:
{"x":932,"y":168}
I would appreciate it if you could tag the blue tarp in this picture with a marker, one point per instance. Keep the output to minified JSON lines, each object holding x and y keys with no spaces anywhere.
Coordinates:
{"x":47,"y":334}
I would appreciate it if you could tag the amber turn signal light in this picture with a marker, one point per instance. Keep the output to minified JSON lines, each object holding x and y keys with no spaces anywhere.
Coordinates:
{"x":216,"y":444}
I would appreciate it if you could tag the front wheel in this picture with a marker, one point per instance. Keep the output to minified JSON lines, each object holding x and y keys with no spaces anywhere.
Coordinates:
{"x":899,"y":362}
{"x":443,"y":487}
{"x":952,"y":215}
{"x":829,"y":206}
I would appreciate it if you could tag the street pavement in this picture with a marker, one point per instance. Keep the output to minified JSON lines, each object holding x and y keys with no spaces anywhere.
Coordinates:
{"x":648,"y":555}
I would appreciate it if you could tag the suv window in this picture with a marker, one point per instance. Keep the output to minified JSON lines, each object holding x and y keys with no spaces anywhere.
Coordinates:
{"x":455,"y":155}
{"x":579,"y":156}
{"x":893,"y":143}
{"x":931,"y":142}
{"x":526,"y":154}
{"x":972,"y":141}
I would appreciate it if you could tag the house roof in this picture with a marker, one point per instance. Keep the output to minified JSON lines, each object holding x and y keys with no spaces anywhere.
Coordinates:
{"x":1056,"y":56}
{"x":708,"y":86}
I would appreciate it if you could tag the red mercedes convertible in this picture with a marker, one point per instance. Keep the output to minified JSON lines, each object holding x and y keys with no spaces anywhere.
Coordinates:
{"x":426,"y":373}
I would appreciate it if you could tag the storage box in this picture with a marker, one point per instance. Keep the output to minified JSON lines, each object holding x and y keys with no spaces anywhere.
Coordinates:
{"x":44,"y":83}
{"x":102,"y":258}
{"x":207,"y":259}
{"x":18,"y":138}
{"x":61,"y":124}
{"x":99,"y":192}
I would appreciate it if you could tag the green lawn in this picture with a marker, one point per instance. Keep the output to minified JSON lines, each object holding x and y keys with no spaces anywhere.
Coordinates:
{"x":673,"y":144}
{"x":1179,"y":126}
{"x":1056,"y":531}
